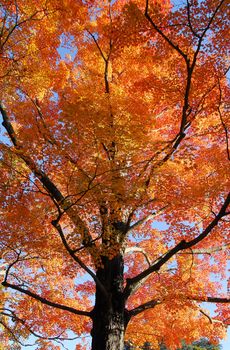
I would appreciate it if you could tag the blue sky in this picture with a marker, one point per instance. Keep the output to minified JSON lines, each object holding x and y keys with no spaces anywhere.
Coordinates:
{"x":226,"y":343}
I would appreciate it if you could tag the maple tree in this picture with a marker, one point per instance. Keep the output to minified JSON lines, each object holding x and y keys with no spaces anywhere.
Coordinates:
{"x":114,"y":171}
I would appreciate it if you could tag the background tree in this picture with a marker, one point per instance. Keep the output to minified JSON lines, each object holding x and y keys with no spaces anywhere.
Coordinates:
{"x":202,"y":344}
{"x":114,"y":171}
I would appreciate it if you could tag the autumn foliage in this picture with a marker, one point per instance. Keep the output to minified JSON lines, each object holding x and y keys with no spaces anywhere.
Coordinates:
{"x":114,"y":171}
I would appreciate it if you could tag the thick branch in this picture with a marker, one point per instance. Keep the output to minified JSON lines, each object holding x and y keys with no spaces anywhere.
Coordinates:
{"x":47,"y":183}
{"x":223,"y":212}
{"x":190,"y":65}
{"x":207,"y":251}
{"x":148,"y":305}
{"x":146,"y":218}
{"x":223,"y":122}
{"x":139,"y":250}
{"x":8,"y":126}
{"x":132,"y":282}
{"x":51,"y":188}
{"x":152,"y":303}
{"x":159,"y":31}
{"x":216,"y":300}
{"x":45,"y":301}
{"x":75,"y":258}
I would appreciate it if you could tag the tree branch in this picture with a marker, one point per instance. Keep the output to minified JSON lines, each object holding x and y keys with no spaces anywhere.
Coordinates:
{"x":148,"y":305}
{"x":105,"y":59}
{"x":133,"y":282}
{"x":139,"y":250}
{"x":189,"y":20}
{"x":152,"y":303}
{"x":186,"y":108}
{"x":11,"y":314}
{"x":50,"y":187}
{"x":18,"y":24}
{"x":45,"y":301}
{"x":78,"y":260}
{"x":159,"y":31}
{"x":204,"y":33}
{"x":190,"y":65}
{"x":211,"y":320}
{"x":13,"y":337}
{"x":223,"y":122}
{"x":146,"y":218}
{"x":216,"y":300}
{"x":207,"y":251}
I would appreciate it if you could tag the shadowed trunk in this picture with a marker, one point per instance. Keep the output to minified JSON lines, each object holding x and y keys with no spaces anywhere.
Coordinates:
{"x":109,"y":313}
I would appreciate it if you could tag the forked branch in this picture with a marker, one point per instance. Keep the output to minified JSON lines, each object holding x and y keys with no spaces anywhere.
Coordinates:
{"x":49,"y":185}
{"x":154,"y":302}
{"x":182,"y":245}
{"x":5,"y":312}
{"x":46,"y":301}
{"x":146,"y":218}
{"x":77,"y":259}
{"x":190,"y":65}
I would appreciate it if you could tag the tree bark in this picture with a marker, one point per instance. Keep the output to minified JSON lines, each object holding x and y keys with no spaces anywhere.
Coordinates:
{"x":109,"y":313}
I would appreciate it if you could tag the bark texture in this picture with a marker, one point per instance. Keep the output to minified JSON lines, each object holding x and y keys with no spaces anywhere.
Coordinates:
{"x":109,"y":312}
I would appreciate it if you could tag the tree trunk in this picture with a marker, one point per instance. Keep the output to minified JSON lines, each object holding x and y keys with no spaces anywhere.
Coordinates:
{"x":109,"y":312}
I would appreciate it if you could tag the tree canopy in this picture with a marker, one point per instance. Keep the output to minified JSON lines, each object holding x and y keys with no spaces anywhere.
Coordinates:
{"x":114,"y":171}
